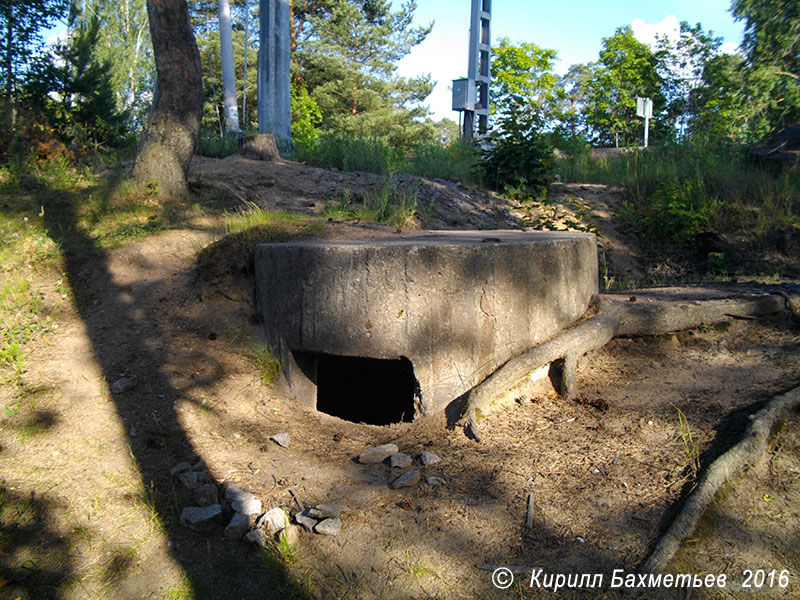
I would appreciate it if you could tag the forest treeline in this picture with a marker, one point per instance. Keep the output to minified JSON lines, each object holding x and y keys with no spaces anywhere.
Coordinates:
{"x":94,"y":86}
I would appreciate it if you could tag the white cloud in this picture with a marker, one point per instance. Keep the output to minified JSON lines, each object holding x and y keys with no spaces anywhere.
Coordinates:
{"x":56,"y":35}
{"x":729,"y":48}
{"x":647,"y":32}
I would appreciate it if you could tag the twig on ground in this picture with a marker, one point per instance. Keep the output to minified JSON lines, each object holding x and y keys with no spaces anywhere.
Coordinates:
{"x":747,"y":452}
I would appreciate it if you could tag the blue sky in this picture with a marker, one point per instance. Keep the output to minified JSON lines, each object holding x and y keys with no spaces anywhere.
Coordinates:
{"x":574,"y":28}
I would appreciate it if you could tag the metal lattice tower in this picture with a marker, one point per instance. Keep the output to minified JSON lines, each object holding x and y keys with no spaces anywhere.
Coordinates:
{"x":471,"y":95}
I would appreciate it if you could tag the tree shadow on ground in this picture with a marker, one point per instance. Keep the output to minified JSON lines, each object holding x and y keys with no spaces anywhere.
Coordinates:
{"x":215,"y":567}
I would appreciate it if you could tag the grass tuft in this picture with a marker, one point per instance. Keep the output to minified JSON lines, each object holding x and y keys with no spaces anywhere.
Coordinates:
{"x":678,"y":191}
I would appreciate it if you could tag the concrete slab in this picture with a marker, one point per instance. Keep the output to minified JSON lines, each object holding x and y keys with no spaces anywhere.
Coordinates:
{"x":456,"y":304}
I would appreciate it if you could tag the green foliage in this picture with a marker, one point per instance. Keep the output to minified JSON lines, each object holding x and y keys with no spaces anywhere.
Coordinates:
{"x":679,"y":190}
{"x":524,"y":71}
{"x":306,"y":116}
{"x":124,"y":47}
{"x":456,"y":161}
{"x":72,"y":87}
{"x":390,"y":204}
{"x":681,"y":64}
{"x":21,"y":24}
{"x":268,"y":365}
{"x":772,"y":32}
{"x":204,"y":20}
{"x":626,"y":70}
{"x":217,"y":146}
{"x":346,"y":55}
{"x":519,"y":160}
{"x":723,"y":113}
{"x":349,"y":152}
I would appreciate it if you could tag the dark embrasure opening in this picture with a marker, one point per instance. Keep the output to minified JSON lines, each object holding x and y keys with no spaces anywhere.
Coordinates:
{"x":366,"y":390}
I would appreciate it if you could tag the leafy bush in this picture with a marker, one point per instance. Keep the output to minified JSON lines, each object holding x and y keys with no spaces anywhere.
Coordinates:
{"x":519,"y":160}
{"x":306,"y":116}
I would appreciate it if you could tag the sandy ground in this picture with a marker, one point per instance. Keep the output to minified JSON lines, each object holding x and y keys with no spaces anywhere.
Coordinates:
{"x":89,"y":509}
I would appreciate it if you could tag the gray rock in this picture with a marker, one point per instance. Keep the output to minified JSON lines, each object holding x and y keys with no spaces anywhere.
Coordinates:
{"x":435,"y":481}
{"x":398,"y":460}
{"x":377,"y":455}
{"x":181,"y":467}
{"x":194,"y":479}
{"x":324,"y":511}
{"x":257,"y":537}
{"x":307,"y":522}
{"x":250,"y":506}
{"x":329,"y":526}
{"x":407,"y":479}
{"x":124,"y":384}
{"x":196,"y":516}
{"x":273,"y":520}
{"x":232,"y":494}
{"x":206,"y":495}
{"x":429,"y":458}
{"x":200,"y":465}
{"x":239,"y":525}
{"x":282,"y":439}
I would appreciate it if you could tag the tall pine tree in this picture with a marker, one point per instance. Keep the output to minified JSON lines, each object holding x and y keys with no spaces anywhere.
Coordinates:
{"x":346,"y":57}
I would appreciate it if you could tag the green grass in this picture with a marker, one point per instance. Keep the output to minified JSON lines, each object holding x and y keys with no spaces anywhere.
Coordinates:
{"x":456,"y":162}
{"x":213,"y":145}
{"x":347,"y":152}
{"x":389,"y":204}
{"x":268,"y":365}
{"x":49,"y":209}
{"x":677,"y":191}
{"x":691,"y":447}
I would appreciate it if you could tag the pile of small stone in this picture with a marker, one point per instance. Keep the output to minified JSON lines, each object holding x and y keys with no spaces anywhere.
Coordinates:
{"x":215,"y":503}
{"x":398,"y":460}
{"x":322,"y":518}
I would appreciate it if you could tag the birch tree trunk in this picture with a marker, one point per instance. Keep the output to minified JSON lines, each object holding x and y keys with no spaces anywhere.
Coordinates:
{"x":228,"y":75}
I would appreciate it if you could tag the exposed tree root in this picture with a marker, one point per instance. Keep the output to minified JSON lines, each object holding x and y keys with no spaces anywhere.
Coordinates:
{"x":613,"y":318}
{"x":746,"y":453}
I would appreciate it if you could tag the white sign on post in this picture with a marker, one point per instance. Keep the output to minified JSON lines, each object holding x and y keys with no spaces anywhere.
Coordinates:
{"x":644,"y":108}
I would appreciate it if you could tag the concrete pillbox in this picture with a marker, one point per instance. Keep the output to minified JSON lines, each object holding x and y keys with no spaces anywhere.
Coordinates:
{"x":448,"y":307}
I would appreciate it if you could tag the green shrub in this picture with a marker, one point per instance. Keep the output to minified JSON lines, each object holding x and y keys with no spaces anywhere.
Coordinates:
{"x":519,"y":160}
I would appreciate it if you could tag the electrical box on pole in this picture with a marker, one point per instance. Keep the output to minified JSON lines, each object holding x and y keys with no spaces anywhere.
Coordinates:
{"x":471,"y":95}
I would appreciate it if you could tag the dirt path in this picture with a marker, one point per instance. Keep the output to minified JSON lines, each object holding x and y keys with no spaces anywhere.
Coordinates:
{"x":89,"y":509}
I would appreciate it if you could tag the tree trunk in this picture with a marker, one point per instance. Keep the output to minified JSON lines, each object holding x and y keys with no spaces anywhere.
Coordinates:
{"x":244,"y":74}
{"x":9,"y":50}
{"x":228,"y":76}
{"x":173,"y":128}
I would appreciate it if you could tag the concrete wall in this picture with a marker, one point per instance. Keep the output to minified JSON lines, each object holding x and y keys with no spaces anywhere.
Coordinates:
{"x":457,"y":304}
